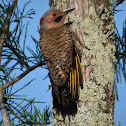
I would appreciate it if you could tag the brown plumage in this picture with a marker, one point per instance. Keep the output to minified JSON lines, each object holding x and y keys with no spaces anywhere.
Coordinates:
{"x":58,"y":45}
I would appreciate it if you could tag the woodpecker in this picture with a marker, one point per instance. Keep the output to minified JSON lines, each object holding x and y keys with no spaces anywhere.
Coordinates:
{"x":61,"y":49}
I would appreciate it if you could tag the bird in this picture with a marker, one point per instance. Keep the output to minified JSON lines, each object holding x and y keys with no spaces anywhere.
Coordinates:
{"x":62,"y":50}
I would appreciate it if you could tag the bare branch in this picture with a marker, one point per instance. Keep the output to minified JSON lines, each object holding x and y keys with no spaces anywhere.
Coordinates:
{"x":6,"y":27}
{"x":22,"y":75}
{"x":3,"y":110}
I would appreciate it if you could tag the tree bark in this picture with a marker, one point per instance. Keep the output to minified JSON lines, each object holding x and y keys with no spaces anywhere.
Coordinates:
{"x":94,"y":24}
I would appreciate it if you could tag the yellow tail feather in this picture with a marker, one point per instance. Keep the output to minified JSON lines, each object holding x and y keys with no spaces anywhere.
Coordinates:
{"x":72,"y":83}
{"x":75,"y":79}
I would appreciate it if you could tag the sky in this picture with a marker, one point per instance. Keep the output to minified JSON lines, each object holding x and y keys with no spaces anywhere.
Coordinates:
{"x":38,"y":88}
{"x":120,"y":107}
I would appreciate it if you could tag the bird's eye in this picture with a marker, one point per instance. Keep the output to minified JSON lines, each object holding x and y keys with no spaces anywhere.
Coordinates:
{"x":54,"y":14}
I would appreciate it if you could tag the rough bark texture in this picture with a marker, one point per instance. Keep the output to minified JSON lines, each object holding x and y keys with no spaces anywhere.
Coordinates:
{"x":94,"y":24}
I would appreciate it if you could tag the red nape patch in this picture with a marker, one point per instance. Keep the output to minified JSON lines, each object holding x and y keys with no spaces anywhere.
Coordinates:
{"x":41,"y":20}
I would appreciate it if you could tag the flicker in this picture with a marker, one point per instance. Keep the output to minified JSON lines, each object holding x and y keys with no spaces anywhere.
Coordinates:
{"x":62,"y":49}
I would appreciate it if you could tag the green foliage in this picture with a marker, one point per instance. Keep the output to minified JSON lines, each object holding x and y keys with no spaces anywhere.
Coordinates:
{"x":119,"y":124}
{"x":120,"y":55}
{"x":12,"y":51}
{"x":28,"y":113}
{"x":21,"y":111}
{"x":36,"y":55}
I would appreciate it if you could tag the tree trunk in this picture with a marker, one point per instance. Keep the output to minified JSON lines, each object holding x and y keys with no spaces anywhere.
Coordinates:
{"x":94,"y":24}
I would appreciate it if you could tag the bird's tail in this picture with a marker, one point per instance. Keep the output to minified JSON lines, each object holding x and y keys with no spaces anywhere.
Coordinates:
{"x":76,"y":79}
{"x":68,"y":94}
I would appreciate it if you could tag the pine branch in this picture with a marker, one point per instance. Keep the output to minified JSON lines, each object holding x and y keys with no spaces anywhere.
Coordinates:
{"x":3,"y":110}
{"x":24,"y":122}
{"x":17,"y":54}
{"x":6,"y":27}
{"x":22,"y":75}
{"x":27,"y":122}
{"x":2,"y":39}
{"x":117,"y":53}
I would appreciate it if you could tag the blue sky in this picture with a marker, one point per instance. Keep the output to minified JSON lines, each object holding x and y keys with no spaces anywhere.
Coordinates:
{"x":120,"y":107}
{"x":38,"y":88}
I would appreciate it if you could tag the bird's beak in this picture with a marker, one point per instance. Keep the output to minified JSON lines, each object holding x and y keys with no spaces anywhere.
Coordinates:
{"x":66,"y":12}
{"x":63,"y":14}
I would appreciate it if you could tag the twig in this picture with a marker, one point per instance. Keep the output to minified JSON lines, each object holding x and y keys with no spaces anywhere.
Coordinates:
{"x":6,"y":27}
{"x":22,"y":75}
{"x":117,"y":53}
{"x":3,"y":110}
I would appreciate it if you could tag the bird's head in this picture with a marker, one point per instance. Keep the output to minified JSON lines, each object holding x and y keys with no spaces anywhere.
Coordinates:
{"x":53,"y":18}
